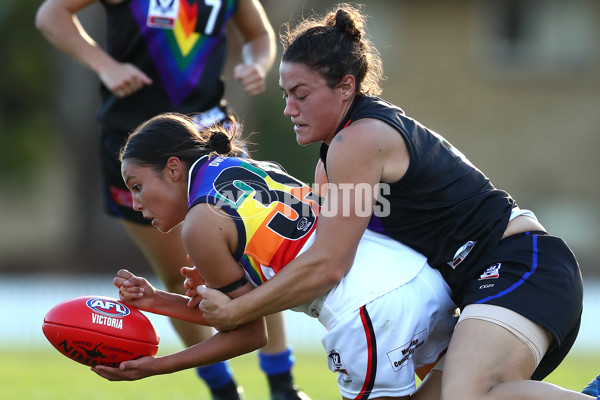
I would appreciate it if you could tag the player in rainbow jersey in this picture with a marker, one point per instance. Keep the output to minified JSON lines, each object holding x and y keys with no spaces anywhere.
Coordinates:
{"x":243,"y":221}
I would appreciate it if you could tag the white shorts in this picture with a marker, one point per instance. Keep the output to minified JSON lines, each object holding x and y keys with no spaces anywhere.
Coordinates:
{"x":381,"y":264}
{"x":374,"y":350}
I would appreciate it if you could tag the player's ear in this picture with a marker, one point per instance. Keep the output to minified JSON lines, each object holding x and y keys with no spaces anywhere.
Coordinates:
{"x":174,"y":168}
{"x":347,"y":86}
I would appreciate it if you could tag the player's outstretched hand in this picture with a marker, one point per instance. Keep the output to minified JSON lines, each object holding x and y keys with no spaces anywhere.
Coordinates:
{"x":214,"y":308}
{"x":134,"y":290}
{"x":128,"y":370}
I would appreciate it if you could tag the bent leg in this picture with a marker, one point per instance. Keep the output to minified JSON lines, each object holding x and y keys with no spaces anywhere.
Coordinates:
{"x":486,"y":361}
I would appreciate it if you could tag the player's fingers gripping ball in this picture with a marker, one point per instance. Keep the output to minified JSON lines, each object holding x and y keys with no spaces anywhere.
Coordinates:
{"x":98,"y":330}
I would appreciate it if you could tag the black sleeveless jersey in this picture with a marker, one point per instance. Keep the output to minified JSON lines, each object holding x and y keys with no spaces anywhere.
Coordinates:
{"x":184,"y":59}
{"x":443,"y":206}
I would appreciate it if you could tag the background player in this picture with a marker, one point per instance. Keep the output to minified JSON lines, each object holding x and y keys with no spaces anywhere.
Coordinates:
{"x":169,"y":56}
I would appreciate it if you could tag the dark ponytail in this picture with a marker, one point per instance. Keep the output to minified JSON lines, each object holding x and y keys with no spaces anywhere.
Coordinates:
{"x":219,"y":142}
{"x":174,"y":134}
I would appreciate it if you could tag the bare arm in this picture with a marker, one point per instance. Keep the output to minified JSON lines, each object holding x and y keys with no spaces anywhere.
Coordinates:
{"x":209,"y":237}
{"x":138,"y":292}
{"x":354,"y":158}
{"x":258,"y":46}
{"x":321,"y":178}
{"x":57,"y":20}
{"x":219,"y":347}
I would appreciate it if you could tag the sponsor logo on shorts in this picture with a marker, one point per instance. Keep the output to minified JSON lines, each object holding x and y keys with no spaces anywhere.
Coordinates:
{"x":334,"y":359}
{"x":400,"y":356}
{"x":491,"y":272}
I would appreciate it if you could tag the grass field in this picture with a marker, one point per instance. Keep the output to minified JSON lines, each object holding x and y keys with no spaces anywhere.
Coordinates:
{"x":43,"y":374}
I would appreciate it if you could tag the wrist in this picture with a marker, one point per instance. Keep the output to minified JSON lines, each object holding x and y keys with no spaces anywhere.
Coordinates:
{"x":166,"y":364}
{"x":236,"y":317}
{"x":102,"y":63}
{"x":159,"y":300}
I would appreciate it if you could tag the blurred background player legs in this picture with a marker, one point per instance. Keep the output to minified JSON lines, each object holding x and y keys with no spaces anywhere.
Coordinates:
{"x":276,"y":361}
{"x":593,"y":388}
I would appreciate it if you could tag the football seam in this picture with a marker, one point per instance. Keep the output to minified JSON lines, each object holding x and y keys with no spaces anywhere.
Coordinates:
{"x":104,"y":333}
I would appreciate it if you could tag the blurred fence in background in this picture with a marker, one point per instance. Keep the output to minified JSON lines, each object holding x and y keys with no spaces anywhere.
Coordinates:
{"x":24,"y":300}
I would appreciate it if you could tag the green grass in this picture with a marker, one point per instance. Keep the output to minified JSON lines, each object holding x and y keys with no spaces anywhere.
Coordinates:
{"x":42,"y":373}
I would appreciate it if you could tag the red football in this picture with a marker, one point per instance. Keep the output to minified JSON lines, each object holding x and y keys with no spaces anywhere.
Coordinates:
{"x":99,"y":330}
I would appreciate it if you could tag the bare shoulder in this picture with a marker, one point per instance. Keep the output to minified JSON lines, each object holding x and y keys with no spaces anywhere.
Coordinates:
{"x":369,"y":132}
{"x":371,"y":143}
{"x":210,"y":238}
{"x":208,"y":226}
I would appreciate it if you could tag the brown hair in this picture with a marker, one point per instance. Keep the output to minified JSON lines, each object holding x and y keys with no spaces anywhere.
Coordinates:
{"x":335,"y":45}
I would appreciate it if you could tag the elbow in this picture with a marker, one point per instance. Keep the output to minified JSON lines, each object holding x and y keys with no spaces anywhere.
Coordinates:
{"x":261,"y":341}
{"x":333,"y":276}
{"x":328,"y":270}
{"x":257,"y":340}
{"x":329,"y":265}
{"x":331,"y":271}
{"x":256,"y":337}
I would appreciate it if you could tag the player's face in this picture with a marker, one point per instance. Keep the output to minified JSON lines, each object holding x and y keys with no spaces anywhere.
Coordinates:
{"x":314,"y":108}
{"x":155,"y":195}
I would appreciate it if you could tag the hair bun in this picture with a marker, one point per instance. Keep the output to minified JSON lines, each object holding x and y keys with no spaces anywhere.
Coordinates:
{"x":344,"y":23}
{"x":219,"y":142}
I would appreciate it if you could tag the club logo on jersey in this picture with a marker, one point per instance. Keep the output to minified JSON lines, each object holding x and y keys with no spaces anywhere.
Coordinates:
{"x":334,"y":359}
{"x":462,"y":253}
{"x":303,"y":224}
{"x":400,"y":356}
{"x":491,"y":272}
{"x":162,"y":14}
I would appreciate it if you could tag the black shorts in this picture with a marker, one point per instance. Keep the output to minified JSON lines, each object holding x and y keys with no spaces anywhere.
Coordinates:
{"x":117,"y":197}
{"x":537,"y":276}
